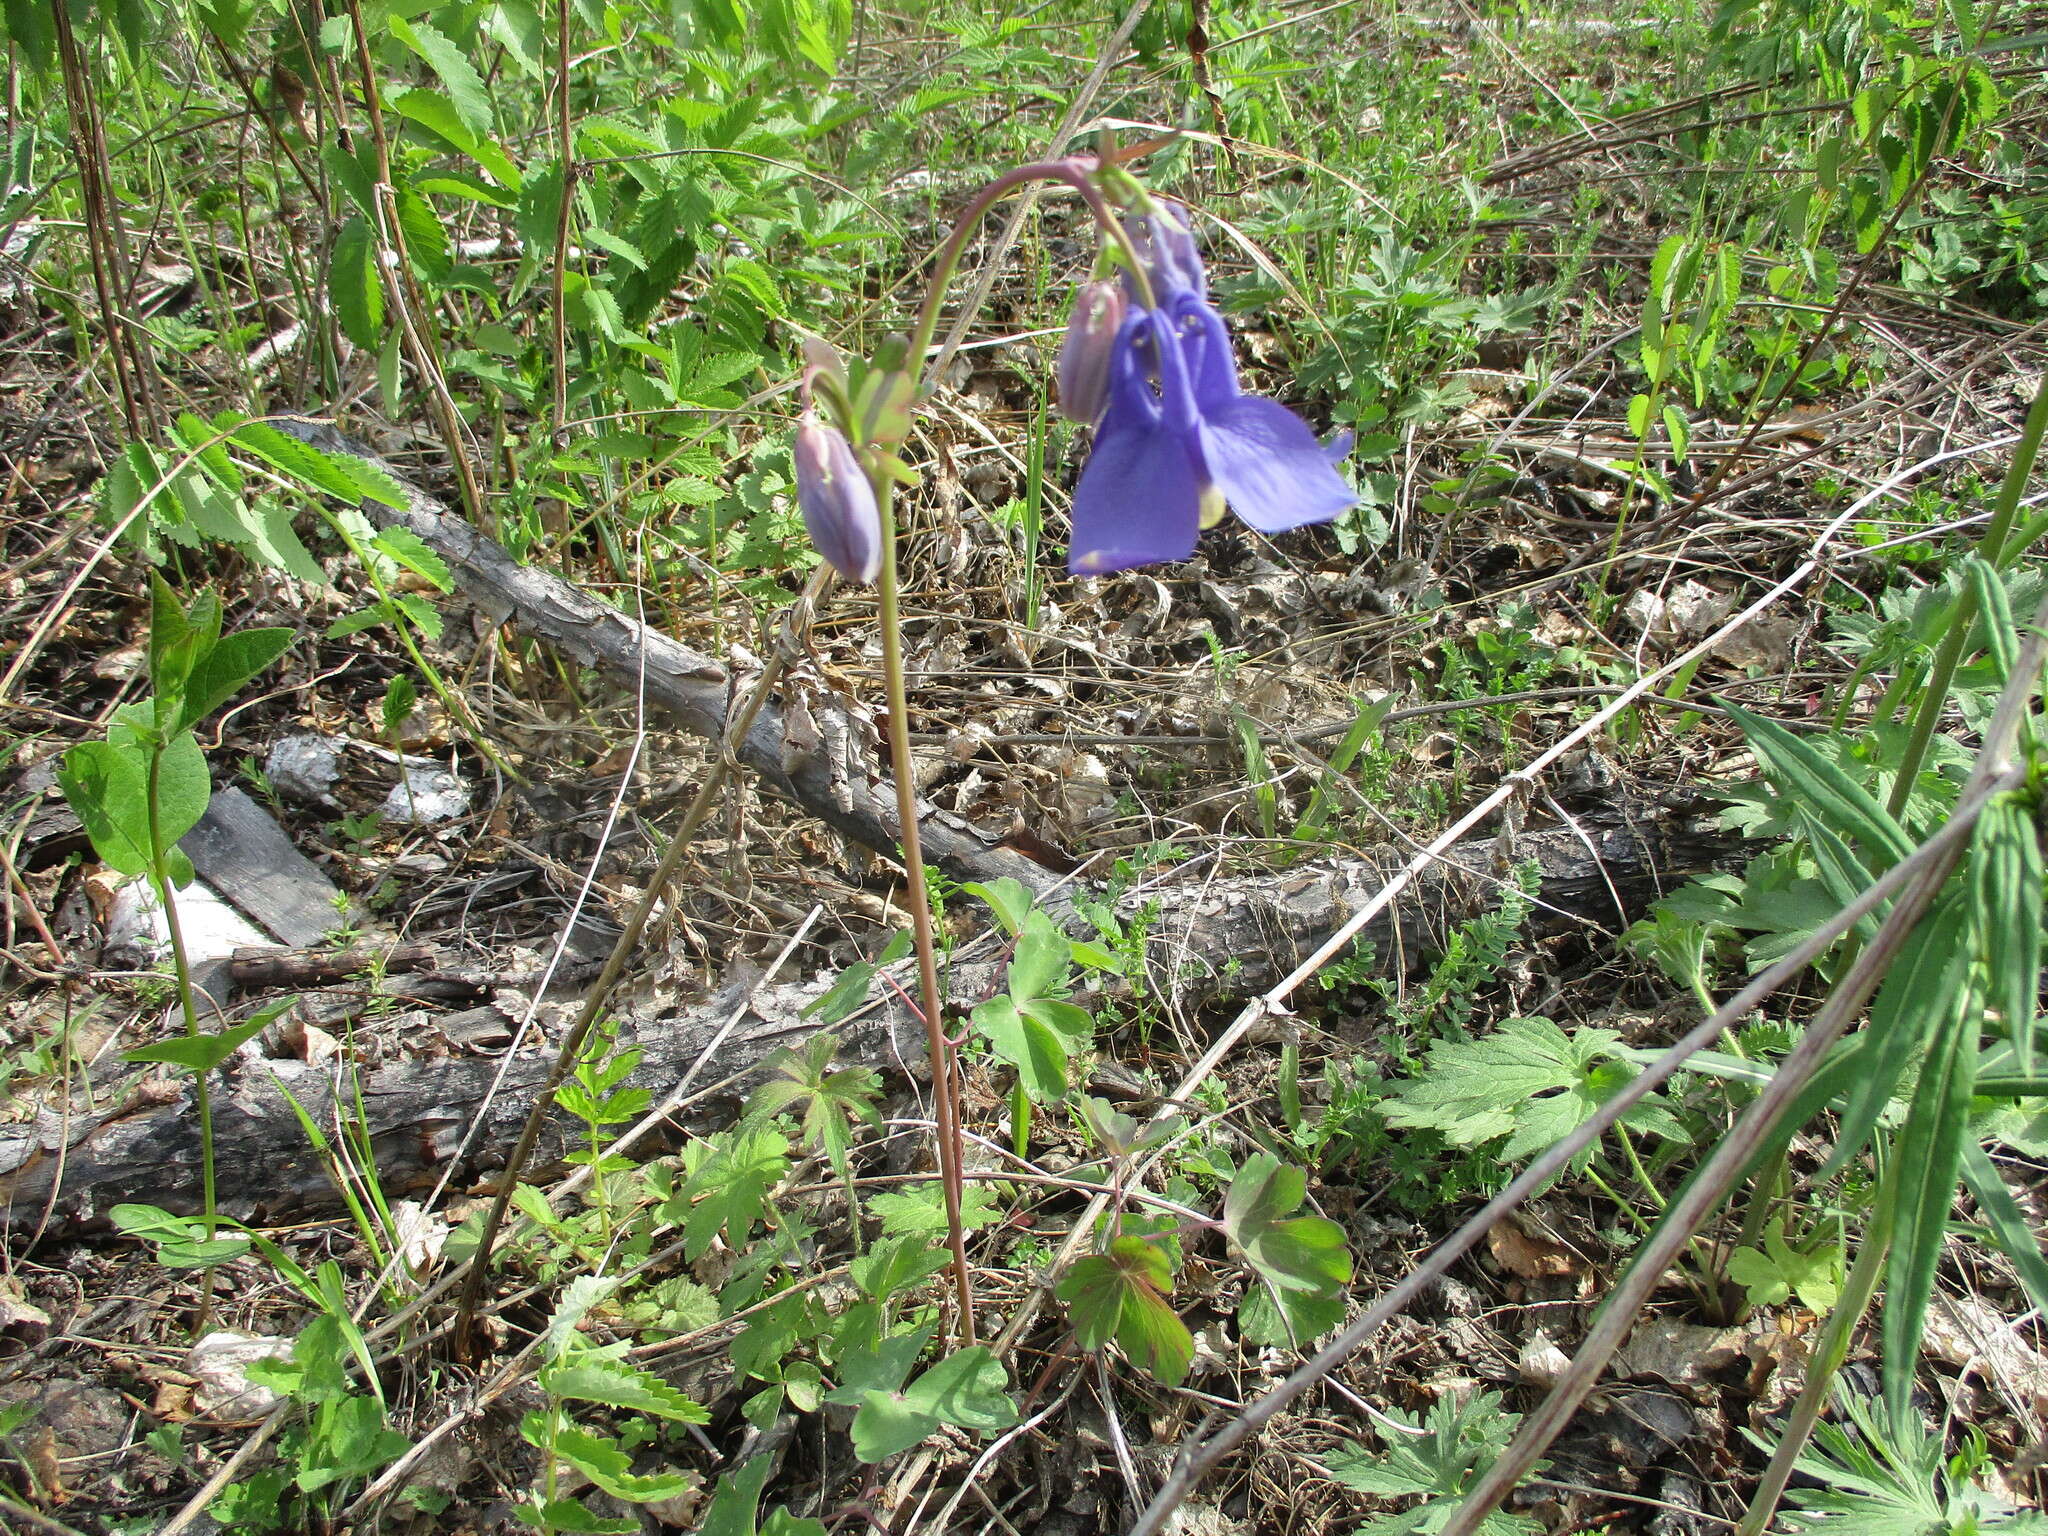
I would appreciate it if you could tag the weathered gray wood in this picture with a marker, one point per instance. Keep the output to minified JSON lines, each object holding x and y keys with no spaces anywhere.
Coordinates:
{"x":246,"y":856}
{"x":1601,"y":872}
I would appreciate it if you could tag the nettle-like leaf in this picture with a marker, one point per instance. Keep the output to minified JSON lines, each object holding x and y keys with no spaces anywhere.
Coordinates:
{"x":804,"y":1083}
{"x":1530,"y":1082}
{"x":1031,"y":1026}
{"x":891,"y":1267}
{"x":597,"y":1376}
{"x":1121,"y":1295}
{"x":727,"y":1190}
{"x":1304,"y":1254}
{"x":603,"y":1461}
{"x":921,"y":1209}
{"x":1433,"y":1460}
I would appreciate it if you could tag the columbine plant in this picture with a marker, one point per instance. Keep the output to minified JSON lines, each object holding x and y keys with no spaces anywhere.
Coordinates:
{"x":1147,"y":363}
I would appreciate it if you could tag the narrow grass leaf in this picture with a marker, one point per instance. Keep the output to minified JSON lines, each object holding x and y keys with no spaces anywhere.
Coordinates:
{"x":1927,"y":1157}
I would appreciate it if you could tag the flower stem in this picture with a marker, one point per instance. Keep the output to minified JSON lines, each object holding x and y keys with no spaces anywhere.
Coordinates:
{"x":945,"y":1101}
{"x":948,"y":260}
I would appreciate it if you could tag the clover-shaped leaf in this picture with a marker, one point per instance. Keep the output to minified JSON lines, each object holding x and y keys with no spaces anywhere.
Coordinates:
{"x":1302,"y":1253}
{"x":1121,"y":1295}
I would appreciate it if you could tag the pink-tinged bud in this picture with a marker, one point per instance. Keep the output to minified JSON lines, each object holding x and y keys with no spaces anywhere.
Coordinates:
{"x":1086,"y":353}
{"x":837,"y":502}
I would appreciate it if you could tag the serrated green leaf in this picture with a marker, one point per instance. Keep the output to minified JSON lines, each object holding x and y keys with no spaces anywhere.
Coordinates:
{"x":338,"y":474}
{"x":354,"y":285}
{"x":414,"y":553}
{"x":426,"y":240}
{"x":922,"y":1209}
{"x":588,"y":1377}
{"x":464,"y":85}
{"x":608,"y":1466}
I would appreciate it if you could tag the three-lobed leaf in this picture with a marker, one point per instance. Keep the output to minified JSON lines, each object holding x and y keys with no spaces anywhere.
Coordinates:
{"x":1121,"y":1294}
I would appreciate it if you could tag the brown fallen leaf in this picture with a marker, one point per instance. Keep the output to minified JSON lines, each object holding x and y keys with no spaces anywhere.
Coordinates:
{"x":1530,"y":1257}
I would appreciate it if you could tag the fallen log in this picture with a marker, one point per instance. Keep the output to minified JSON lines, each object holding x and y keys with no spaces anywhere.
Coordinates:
{"x":689,"y":686}
{"x":1598,"y":872}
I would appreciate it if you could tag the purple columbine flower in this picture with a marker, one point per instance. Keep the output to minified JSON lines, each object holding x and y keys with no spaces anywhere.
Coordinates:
{"x":837,"y":502}
{"x":1180,"y":438}
{"x":1085,"y":354}
{"x":1165,"y":241}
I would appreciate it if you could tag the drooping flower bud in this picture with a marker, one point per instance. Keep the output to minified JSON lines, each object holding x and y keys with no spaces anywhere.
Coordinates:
{"x":837,"y":502}
{"x":1165,"y":238}
{"x":1085,"y":354}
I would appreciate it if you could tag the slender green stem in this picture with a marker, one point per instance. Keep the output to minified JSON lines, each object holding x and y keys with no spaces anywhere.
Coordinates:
{"x":1826,"y":1360}
{"x":945,"y":1101}
{"x":160,"y":879}
{"x":1934,"y":696}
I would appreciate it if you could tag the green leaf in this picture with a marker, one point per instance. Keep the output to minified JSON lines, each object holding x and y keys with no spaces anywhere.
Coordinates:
{"x":354,"y":286}
{"x":338,"y":474}
{"x":845,"y":994}
{"x":589,"y":1377}
{"x":1433,"y":1459}
{"x":1928,"y":1156}
{"x":202,"y":1053}
{"x":1121,"y":1295}
{"x":107,"y":788}
{"x":231,"y":661}
{"x":967,"y":1388}
{"x":2007,"y":877}
{"x":1008,"y":898}
{"x":436,"y":114}
{"x":355,"y":1441}
{"x":426,"y":241}
{"x":106,"y":784}
{"x":1530,"y":1082}
{"x":1821,"y":788}
{"x":573,"y":1517}
{"x":921,"y":1209}
{"x":465,"y":86}
{"x":728,"y":1191}
{"x":891,"y":1268}
{"x":739,"y":1493}
{"x":603,"y":1462}
{"x":2009,"y":1225}
{"x":1917,"y":1001}
{"x":1031,"y":1044}
{"x":413,"y":552}
{"x":180,"y":1243}
{"x":1287,"y":1319}
{"x":1043,"y":958}
{"x":1305,"y":1253}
